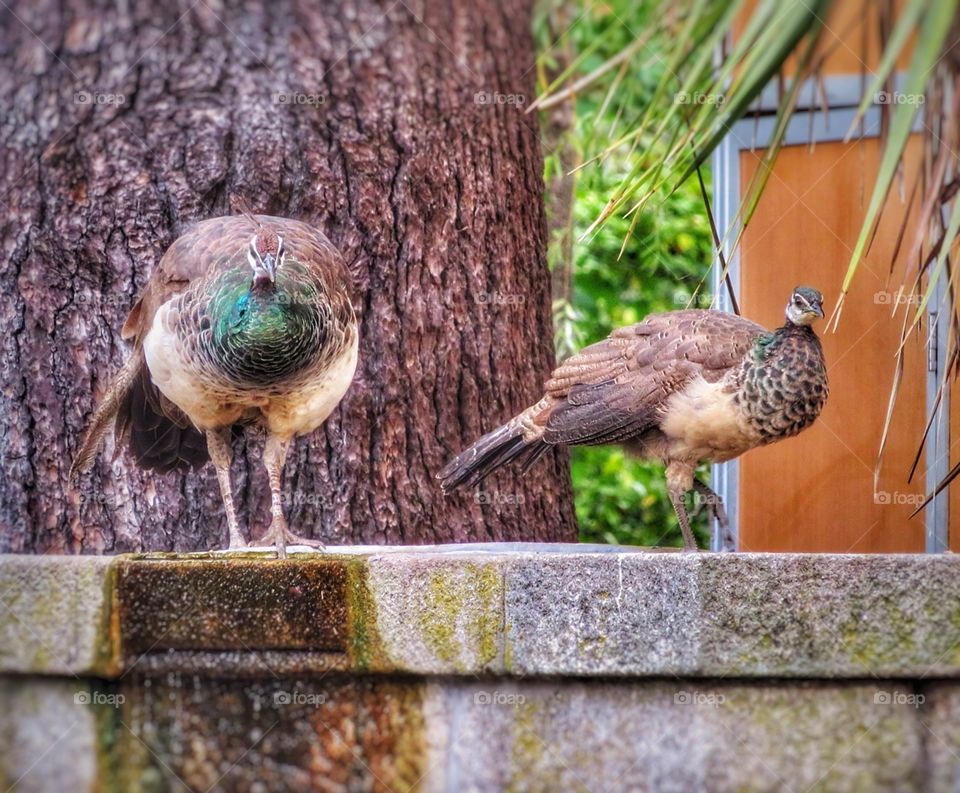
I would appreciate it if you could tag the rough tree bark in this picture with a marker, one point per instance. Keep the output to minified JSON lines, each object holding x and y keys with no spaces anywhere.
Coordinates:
{"x":123,"y":123}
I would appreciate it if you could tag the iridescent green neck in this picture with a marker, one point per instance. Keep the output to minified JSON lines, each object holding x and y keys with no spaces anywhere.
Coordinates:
{"x":260,"y":335}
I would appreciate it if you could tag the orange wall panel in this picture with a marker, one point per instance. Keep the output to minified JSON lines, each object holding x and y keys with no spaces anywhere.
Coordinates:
{"x":815,"y":492}
{"x":850,"y":41}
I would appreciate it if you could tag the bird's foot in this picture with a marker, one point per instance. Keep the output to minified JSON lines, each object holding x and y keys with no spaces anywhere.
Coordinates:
{"x":280,"y":535}
{"x":237,"y":542}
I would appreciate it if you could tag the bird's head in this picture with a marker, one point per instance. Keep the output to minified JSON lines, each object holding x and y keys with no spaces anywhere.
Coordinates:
{"x":805,"y":305}
{"x":265,"y":256}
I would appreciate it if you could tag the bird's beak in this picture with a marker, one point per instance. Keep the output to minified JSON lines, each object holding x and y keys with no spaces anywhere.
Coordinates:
{"x":818,"y":310}
{"x":270,"y":265}
{"x":266,"y":271}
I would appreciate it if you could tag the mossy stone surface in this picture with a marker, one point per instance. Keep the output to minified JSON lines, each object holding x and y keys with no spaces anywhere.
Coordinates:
{"x":447,"y":670}
{"x":839,"y":615}
{"x":437,"y":614}
{"x":679,"y":736}
{"x":56,"y":616}
{"x":48,"y":736}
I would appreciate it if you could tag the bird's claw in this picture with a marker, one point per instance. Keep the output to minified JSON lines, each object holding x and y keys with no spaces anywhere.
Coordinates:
{"x":279,"y":535}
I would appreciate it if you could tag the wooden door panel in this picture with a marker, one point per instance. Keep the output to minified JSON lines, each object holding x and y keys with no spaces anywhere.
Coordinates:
{"x":815,"y":492}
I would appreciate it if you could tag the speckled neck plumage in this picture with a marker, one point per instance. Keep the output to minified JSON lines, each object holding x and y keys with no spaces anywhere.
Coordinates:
{"x":783,"y":382}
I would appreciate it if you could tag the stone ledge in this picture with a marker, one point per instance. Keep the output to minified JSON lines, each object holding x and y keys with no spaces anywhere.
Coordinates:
{"x":55,"y":615}
{"x":513,"y":610}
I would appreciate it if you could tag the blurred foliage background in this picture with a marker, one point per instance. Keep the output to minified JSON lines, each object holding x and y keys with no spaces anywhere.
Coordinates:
{"x":665,"y":262}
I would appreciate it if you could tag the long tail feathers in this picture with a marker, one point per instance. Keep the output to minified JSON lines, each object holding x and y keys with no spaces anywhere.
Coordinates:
{"x":105,"y":415}
{"x":494,"y":450}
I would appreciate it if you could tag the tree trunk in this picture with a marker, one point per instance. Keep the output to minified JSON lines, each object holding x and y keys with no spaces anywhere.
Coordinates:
{"x":395,"y":128}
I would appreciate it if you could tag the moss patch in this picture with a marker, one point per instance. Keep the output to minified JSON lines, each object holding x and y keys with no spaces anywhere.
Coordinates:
{"x":364,"y":645}
{"x":460,"y":618}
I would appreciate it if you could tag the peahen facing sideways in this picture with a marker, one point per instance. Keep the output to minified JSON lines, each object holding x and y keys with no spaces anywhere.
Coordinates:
{"x":247,"y":320}
{"x":682,"y":387}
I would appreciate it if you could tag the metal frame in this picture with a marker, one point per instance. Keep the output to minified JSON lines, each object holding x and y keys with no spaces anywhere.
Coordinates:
{"x":937,"y":514}
{"x":810,"y":125}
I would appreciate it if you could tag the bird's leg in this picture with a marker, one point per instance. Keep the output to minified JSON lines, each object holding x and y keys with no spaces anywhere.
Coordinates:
{"x":716,"y":505}
{"x":221,"y":453}
{"x":679,"y":481}
{"x":713,"y":501}
{"x":689,"y":541}
{"x":274,"y":454}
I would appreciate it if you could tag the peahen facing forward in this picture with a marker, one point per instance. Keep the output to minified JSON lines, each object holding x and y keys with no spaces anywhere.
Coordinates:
{"x":246,"y":320}
{"x":682,"y":387}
